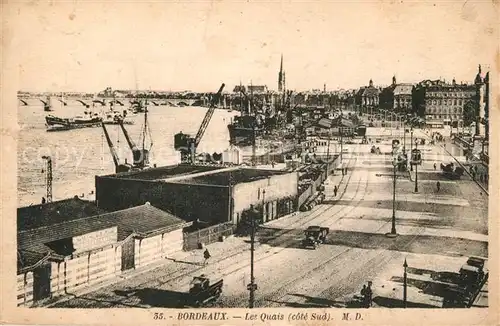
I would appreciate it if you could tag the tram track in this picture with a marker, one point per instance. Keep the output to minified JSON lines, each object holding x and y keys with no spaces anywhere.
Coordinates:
{"x":240,"y":250}
{"x":237,"y":303}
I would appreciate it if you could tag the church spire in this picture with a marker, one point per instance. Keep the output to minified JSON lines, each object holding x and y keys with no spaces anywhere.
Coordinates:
{"x":281,"y":76}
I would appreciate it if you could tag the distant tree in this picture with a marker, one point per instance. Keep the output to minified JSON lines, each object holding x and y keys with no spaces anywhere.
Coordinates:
{"x":470,"y":112}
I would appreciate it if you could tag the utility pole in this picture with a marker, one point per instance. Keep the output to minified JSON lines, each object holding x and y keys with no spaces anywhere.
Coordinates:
{"x":416,"y":167}
{"x":404,"y":138}
{"x":393,"y":228}
{"x":254,"y":149}
{"x":411,"y":147}
{"x":405,"y":285}
{"x":252,"y":286}
{"x":49,"y":177}
{"x":328,"y":153}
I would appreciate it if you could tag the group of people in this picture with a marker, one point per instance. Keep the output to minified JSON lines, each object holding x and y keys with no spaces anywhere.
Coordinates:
{"x":366,"y":295}
{"x":483,"y":177}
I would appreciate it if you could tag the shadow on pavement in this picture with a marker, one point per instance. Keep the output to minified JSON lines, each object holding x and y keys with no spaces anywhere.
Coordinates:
{"x":429,"y":287}
{"x":397,"y":303}
{"x":156,"y":297}
{"x":410,"y":243}
{"x":315,"y":302}
{"x":84,"y":301}
{"x":414,"y":243}
{"x":401,"y":205}
{"x":185,"y":262}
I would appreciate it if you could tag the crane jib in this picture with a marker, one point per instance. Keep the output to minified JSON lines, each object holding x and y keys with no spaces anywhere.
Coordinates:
{"x":208,"y":116}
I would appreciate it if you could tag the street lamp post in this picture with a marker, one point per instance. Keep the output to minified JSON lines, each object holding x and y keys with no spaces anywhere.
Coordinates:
{"x":411,"y":147}
{"x":404,"y":138}
{"x":416,"y":167}
{"x":252,"y":286}
{"x":393,"y":228}
{"x":405,"y":285}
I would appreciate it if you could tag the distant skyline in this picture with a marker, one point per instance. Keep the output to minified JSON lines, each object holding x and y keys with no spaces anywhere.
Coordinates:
{"x":87,"y":47}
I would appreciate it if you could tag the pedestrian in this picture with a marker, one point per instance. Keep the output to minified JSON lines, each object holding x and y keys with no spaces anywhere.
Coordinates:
{"x":369,"y":295}
{"x":438,"y":186}
{"x":364,"y":295}
{"x":335,"y":189}
{"x":434,"y":166}
{"x":206,"y":255}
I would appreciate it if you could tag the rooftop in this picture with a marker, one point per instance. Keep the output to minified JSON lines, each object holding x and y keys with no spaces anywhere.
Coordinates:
{"x":340,"y":121}
{"x":36,"y":216}
{"x":164,"y":172}
{"x":144,"y":220}
{"x":370,"y":91}
{"x":403,"y":89}
{"x":237,"y":176}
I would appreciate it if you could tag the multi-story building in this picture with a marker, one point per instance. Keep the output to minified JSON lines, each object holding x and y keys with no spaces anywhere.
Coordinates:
{"x":368,"y":97}
{"x":257,"y":88}
{"x":402,"y":97}
{"x":442,"y":103}
{"x":396,"y":97}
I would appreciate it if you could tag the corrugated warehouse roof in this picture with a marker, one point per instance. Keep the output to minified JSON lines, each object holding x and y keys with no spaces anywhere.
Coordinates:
{"x":142,"y":220}
{"x":237,"y":176}
{"x":164,"y":172}
{"x":36,"y":216}
{"x":35,"y":239}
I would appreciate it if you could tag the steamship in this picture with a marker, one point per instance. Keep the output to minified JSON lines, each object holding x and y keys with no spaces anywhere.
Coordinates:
{"x":54,"y":123}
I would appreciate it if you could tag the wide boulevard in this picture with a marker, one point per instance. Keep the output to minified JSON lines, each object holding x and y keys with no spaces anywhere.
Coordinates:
{"x":437,"y":232}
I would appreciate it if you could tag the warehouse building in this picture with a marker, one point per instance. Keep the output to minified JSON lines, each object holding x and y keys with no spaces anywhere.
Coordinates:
{"x":214,"y":195}
{"x":66,"y":245}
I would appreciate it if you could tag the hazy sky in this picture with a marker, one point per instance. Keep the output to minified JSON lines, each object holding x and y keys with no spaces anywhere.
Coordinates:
{"x":87,"y":46}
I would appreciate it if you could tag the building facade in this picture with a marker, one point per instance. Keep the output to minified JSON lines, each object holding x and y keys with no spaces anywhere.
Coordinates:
{"x":402,"y":98}
{"x":70,"y":244}
{"x":442,"y":103}
{"x":368,"y":97}
{"x":397,"y":97}
{"x":211,"y":194}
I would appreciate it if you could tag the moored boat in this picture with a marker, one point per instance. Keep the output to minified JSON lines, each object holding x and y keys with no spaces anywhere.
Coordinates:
{"x":114,"y":118}
{"x":54,"y":123}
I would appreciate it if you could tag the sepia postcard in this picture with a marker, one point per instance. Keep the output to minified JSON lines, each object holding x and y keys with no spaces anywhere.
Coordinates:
{"x":249,"y":162}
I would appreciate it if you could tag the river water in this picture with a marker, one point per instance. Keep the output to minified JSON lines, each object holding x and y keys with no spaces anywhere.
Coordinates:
{"x":78,"y":155}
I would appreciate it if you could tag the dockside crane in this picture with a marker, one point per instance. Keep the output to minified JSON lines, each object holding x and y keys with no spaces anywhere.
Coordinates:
{"x":48,"y":160}
{"x":140,"y":155}
{"x":118,"y":167}
{"x":186,"y":144}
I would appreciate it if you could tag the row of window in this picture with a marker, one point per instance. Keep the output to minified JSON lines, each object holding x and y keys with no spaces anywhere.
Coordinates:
{"x":444,"y":116}
{"x":451,"y":94}
{"x":448,"y":102}
{"x":444,"y":110}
